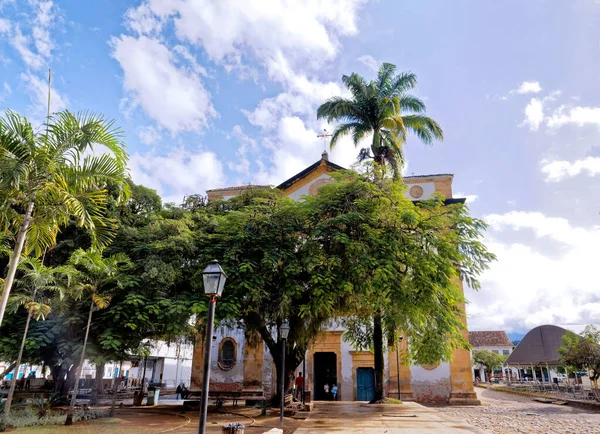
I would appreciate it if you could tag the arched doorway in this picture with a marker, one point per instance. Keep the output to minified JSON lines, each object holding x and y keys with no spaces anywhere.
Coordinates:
{"x":325,"y":372}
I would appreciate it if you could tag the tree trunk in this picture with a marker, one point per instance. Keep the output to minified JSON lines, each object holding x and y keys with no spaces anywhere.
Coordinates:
{"x":13,"y":385}
{"x":69,"y":420}
{"x":97,"y":390}
{"x":378,"y":356}
{"x":115,"y":389}
{"x":14,"y":259}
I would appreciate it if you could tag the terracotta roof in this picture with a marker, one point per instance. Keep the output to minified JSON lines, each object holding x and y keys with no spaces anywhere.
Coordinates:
{"x":491,"y":338}
{"x":241,"y":187}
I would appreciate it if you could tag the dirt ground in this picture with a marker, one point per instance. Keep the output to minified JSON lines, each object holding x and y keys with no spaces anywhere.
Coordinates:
{"x":164,"y":419}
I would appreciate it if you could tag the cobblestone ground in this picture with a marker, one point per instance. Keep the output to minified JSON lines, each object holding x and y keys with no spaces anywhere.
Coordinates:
{"x":507,"y":413}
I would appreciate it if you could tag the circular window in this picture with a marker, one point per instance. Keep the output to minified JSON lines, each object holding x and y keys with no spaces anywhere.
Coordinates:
{"x":314,"y":188}
{"x":227,"y":354}
{"x":431,"y":366}
{"x":416,"y":191}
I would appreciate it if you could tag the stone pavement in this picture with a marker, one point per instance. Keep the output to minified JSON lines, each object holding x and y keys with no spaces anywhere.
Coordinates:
{"x":356,"y":417}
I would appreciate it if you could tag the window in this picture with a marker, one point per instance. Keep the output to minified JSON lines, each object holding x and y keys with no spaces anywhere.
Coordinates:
{"x":505,"y":352}
{"x":496,"y":351}
{"x":227,"y":353}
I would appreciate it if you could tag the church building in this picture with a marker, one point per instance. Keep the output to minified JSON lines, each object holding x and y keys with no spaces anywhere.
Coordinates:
{"x":244,"y":364}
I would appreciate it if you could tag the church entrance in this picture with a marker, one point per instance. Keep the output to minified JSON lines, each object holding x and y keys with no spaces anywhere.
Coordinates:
{"x":325,"y":373}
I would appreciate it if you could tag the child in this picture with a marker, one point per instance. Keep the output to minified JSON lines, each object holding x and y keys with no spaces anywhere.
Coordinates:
{"x":326,"y":390}
{"x":334,"y":390}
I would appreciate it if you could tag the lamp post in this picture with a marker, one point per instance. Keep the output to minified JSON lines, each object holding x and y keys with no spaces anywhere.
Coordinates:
{"x":214,"y":280}
{"x":398,"y":365}
{"x":284,"y":331}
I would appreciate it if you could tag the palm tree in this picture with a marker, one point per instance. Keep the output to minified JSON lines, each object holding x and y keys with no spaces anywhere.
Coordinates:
{"x":95,"y":277}
{"x":383,"y":108}
{"x":49,"y":177}
{"x":36,"y":279}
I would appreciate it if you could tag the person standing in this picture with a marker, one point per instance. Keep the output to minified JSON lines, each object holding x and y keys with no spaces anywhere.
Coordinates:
{"x":178,"y":391}
{"x":326,"y":390}
{"x":299,"y":387}
{"x":334,"y":390}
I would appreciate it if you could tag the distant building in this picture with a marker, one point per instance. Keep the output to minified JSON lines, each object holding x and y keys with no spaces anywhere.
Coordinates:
{"x":496,"y":341}
{"x":536,"y":357}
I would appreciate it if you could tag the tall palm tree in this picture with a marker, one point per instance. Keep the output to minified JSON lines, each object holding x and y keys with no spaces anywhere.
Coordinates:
{"x":383,"y":108}
{"x":48,"y":177}
{"x":36,"y":281}
{"x":95,"y":277}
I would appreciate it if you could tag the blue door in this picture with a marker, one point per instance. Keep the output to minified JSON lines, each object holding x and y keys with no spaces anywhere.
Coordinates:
{"x":365,"y":384}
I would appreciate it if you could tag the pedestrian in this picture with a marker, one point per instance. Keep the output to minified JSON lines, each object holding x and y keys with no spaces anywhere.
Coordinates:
{"x":184,"y":391}
{"x":178,"y":391}
{"x":326,"y":390}
{"x":21,"y":383}
{"x":299,"y":387}
{"x":334,"y":390}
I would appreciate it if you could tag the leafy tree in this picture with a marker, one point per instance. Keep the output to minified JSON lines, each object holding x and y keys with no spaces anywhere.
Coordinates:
{"x":490,"y":360}
{"x":401,"y":264}
{"x":95,"y":278}
{"x":583,"y":352}
{"x":34,"y":284}
{"x":48,"y":177}
{"x":383,"y":108}
{"x":275,"y":271}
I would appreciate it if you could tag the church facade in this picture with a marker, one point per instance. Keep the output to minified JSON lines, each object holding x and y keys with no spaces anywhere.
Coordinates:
{"x":243,"y":363}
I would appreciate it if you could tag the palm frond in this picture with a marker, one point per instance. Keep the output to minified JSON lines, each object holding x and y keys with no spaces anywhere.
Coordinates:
{"x":424,"y":128}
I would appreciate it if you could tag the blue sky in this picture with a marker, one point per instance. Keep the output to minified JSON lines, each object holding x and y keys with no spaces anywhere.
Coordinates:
{"x":211,"y":94}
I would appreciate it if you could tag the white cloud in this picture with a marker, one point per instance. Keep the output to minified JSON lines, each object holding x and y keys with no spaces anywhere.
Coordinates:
{"x":5,"y":92}
{"x":369,"y":62}
{"x":148,"y":135}
{"x":177,"y":174}
{"x":528,"y":286}
{"x":558,"y":170}
{"x":173,"y":97}
{"x":265,"y":29}
{"x":5,"y":26}
{"x":38,"y":90}
{"x":469,"y":197}
{"x":534,"y":114}
{"x":35,"y":46}
{"x":579,"y":116}
{"x":528,"y":87}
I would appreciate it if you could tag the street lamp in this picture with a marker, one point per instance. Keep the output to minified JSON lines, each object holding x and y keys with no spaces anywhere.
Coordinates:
{"x":214,"y":280}
{"x":284,"y":331}
{"x":398,"y":365}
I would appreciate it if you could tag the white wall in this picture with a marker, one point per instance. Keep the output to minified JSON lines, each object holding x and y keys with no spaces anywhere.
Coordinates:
{"x":303,"y":191}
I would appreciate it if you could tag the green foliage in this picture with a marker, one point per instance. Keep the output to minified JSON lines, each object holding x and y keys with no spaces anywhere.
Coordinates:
{"x":399,"y":260}
{"x":582,"y":353}
{"x":382,"y":108}
{"x":489,"y":359}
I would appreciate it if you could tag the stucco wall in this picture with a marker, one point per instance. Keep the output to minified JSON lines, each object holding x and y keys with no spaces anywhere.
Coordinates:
{"x":431,"y":385}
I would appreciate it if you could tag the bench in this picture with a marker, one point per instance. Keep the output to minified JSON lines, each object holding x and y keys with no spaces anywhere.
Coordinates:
{"x":218,"y":397}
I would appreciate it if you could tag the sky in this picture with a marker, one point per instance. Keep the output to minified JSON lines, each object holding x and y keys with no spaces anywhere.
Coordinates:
{"x":218,"y":93}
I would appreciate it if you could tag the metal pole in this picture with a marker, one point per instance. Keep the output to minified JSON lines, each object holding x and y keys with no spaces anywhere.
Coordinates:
{"x":398,"y":369}
{"x":207,"y":355}
{"x":282,"y":382}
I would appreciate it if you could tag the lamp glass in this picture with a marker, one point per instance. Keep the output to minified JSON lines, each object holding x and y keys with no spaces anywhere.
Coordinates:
{"x":214,"y":279}
{"x":284,"y":330}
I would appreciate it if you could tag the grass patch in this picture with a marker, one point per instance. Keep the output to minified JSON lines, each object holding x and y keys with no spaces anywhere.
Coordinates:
{"x":29,"y":417}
